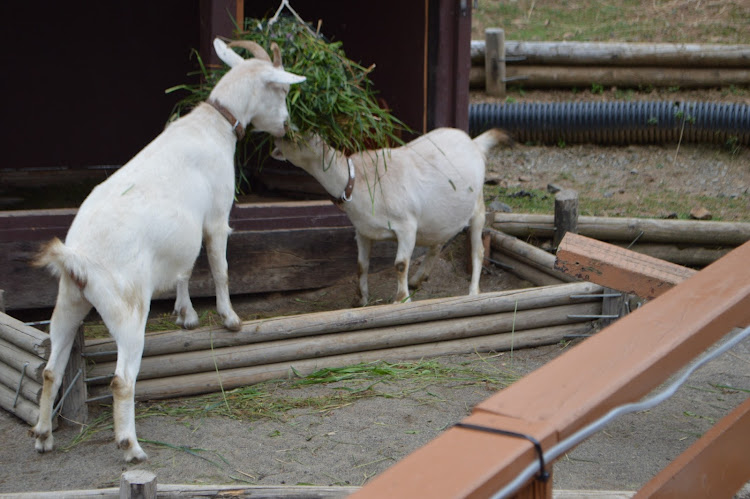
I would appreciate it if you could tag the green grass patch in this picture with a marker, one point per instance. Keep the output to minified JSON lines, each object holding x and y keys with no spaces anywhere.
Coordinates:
{"x":164,"y":322}
{"x":627,"y":21}
{"x":282,"y":400}
{"x":646,"y":206}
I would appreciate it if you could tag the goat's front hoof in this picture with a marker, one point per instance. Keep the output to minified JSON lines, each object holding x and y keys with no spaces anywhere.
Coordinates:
{"x":45,"y":442}
{"x":135,"y":458}
{"x":187,"y":319}
{"x":233,"y":322}
{"x":133,"y":452}
{"x":402,"y":299}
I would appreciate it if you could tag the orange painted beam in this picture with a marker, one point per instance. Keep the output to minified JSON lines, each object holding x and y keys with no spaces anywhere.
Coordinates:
{"x":617,"y":268}
{"x":716,"y":465}
{"x":620,"y":364}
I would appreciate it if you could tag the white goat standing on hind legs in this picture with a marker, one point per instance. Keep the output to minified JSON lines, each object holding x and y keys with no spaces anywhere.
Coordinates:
{"x":141,"y":230}
{"x":420,"y":194}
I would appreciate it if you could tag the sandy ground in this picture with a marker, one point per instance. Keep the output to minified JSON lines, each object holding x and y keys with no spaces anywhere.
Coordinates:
{"x":349,"y":443}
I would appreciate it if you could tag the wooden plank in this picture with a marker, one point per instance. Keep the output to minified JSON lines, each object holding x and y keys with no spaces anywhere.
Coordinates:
{"x":578,"y":387}
{"x":259,"y":262}
{"x":618,"y":268}
{"x":274,"y":247}
{"x":716,"y":465}
{"x":629,"y":229}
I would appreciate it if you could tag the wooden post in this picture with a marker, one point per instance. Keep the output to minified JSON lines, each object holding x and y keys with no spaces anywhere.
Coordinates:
{"x":138,"y":484}
{"x":494,"y":62}
{"x":74,"y":406}
{"x":613,"y":305}
{"x":2,"y":300}
{"x":566,"y":215}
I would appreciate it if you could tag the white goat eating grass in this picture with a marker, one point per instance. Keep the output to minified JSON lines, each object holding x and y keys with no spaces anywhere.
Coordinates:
{"x":420,"y":194}
{"x":140,"y":231}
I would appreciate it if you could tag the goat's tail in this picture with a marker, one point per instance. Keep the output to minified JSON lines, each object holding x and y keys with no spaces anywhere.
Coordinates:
{"x":491,"y":138}
{"x":61,"y":260}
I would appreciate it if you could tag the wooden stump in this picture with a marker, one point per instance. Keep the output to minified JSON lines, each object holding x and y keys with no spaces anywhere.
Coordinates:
{"x":138,"y":484}
{"x":566,"y":215}
{"x":494,"y":62}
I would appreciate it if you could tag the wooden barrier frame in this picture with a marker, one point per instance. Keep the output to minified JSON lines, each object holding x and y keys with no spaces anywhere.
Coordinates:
{"x":650,"y":343}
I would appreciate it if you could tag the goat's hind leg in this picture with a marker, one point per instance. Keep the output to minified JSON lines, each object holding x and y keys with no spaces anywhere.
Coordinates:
{"x":216,"y":249}
{"x":424,"y":269}
{"x":406,"y":242}
{"x":183,"y":307}
{"x":364,"y":245}
{"x":70,"y":310}
{"x":476,"y":226}
{"x":128,"y":331}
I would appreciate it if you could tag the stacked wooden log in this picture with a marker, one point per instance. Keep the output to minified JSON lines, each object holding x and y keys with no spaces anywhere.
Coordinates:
{"x":23,"y":354}
{"x":581,"y":64}
{"x":690,"y":243}
{"x":181,"y":363}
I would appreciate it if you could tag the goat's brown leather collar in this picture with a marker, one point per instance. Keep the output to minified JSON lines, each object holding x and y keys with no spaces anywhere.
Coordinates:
{"x":346,"y":196}
{"x":239,"y":130}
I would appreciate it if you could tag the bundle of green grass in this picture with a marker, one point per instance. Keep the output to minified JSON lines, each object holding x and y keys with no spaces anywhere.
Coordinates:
{"x":337,"y":101}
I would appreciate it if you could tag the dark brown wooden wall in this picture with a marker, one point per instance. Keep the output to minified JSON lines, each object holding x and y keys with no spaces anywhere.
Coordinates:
{"x":83,"y":82}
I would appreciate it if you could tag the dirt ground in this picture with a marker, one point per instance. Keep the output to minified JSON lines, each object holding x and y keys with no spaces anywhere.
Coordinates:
{"x":348,"y":444}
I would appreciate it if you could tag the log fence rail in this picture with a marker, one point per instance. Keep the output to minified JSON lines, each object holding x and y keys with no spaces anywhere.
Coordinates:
{"x":496,"y":61}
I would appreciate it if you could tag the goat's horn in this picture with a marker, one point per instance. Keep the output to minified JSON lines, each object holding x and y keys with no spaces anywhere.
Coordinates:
{"x":276,"y":55}
{"x":253,"y":47}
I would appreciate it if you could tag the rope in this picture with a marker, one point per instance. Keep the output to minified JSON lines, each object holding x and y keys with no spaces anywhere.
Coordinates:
{"x":285,"y":3}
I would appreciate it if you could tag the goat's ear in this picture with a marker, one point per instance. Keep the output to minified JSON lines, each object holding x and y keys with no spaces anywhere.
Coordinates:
{"x":277,"y":154}
{"x":229,"y":56}
{"x":281,"y":76}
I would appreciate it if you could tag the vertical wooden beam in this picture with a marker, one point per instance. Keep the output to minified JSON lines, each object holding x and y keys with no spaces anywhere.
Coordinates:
{"x":566,"y":215}
{"x":239,"y":14}
{"x":74,"y":406}
{"x":614,"y":305}
{"x":216,"y":20}
{"x":450,"y":63}
{"x":494,"y":61}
